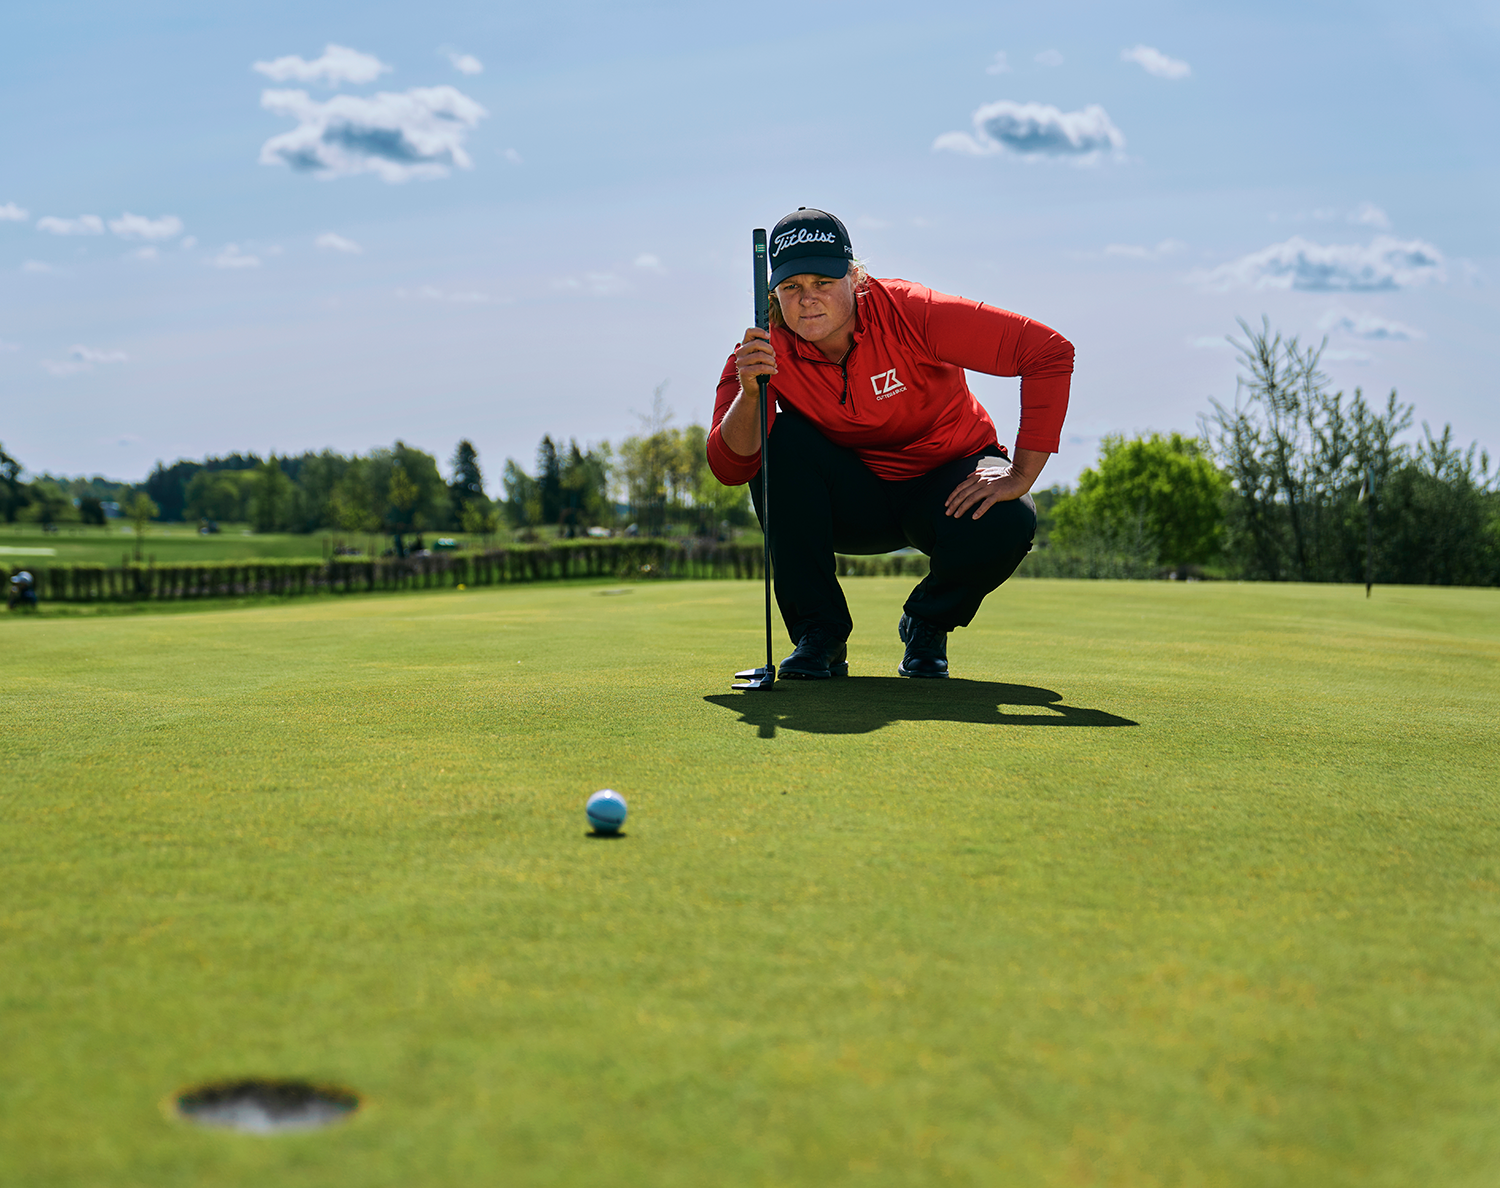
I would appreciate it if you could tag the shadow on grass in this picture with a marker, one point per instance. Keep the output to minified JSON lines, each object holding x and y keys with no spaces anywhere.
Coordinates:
{"x":858,"y":705}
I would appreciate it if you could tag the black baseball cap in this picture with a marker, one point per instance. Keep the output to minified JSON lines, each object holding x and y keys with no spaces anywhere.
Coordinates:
{"x":809,"y":240}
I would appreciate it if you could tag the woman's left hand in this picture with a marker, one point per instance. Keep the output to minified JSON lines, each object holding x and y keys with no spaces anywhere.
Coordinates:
{"x":989,"y":485}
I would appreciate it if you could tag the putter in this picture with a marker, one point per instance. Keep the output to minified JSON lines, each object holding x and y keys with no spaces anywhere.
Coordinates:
{"x":751,"y":679}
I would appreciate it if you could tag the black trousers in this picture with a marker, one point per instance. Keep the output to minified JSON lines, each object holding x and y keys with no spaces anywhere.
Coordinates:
{"x":824,"y":500}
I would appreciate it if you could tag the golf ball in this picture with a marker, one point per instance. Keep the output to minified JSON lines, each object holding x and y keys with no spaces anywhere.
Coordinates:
{"x":606,"y":810}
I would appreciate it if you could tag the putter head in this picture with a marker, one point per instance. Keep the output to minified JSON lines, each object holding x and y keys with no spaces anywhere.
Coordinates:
{"x":755,"y":678}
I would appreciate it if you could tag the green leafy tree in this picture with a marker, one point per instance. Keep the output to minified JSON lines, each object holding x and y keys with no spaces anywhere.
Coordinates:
{"x":1161,"y":495}
{"x":468,"y":480}
{"x":1297,"y":455}
{"x":548,"y":482}
{"x":713,"y":503}
{"x":316,"y":477}
{"x":402,"y":514}
{"x":651,"y":465}
{"x":91,"y":510}
{"x":219,"y":495}
{"x":481,"y":518}
{"x":142,"y":510}
{"x":13,"y":494}
{"x":523,"y":505}
{"x":273,"y":499}
{"x":49,"y":501}
{"x":585,"y":482}
{"x":1440,"y":517}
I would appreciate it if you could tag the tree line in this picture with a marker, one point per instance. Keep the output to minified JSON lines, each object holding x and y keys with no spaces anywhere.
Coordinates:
{"x":658,"y":481}
{"x":1292,"y":482}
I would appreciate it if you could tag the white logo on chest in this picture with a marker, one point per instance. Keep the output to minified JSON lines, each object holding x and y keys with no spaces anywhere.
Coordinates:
{"x":886,"y":384}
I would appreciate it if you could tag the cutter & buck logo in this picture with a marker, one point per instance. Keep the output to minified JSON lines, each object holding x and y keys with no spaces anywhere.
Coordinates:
{"x":886,"y":384}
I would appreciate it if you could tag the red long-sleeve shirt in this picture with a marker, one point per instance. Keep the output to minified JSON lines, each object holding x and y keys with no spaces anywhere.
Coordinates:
{"x":899,"y":400}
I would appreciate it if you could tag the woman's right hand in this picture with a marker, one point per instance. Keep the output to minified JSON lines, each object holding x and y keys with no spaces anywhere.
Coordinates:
{"x":754,"y":357}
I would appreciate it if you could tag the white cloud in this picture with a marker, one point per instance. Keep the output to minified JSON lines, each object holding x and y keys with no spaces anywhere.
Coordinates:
{"x":1167,"y":247}
{"x":11,"y":213}
{"x":129,"y":226}
{"x":1362,"y":324}
{"x":232,"y":257}
{"x":431,"y":293}
{"x":189,"y":243}
{"x":1156,"y":63}
{"x":1035,"y":130}
{"x":1049,"y":58}
{"x":1367,"y":214}
{"x":82,"y":225}
{"x":649,"y":262}
{"x":8,"y":346}
{"x":147,"y":253}
{"x":1000,"y":65}
{"x":60,"y":369}
{"x":339,"y":64}
{"x":83,"y":354}
{"x":466,"y":63}
{"x":36,"y":266}
{"x":330,"y":242}
{"x":81,"y":359}
{"x":596,"y":284}
{"x":512,"y":156}
{"x":1385,"y":263}
{"x":418,"y":133}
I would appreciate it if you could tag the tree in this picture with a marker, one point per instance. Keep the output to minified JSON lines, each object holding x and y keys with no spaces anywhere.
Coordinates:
{"x":402,"y":515}
{"x":141,"y":510}
{"x":713,"y":503}
{"x":216,"y":495}
{"x":91,"y":510}
{"x":1160,"y":494}
{"x":273,"y":496}
{"x":50,"y":502}
{"x":522,"y":500}
{"x":585,"y":488}
{"x":548,"y":482}
{"x":1296,"y":456}
{"x":481,"y":518}
{"x":649,"y":463}
{"x":468,"y":482}
{"x":1441,"y":517}
{"x":13,"y":494}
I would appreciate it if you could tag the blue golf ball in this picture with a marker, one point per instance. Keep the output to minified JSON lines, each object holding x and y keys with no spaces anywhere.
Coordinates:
{"x":606,"y":811}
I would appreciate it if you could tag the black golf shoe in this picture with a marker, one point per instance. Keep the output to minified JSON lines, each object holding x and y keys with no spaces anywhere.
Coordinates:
{"x":926,"y":648}
{"x":819,"y":655}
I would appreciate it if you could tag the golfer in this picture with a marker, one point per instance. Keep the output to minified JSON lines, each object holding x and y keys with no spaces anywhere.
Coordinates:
{"x":876,"y":442}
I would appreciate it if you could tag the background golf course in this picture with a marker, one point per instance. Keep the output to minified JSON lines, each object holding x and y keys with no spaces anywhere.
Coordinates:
{"x":1175,"y":883}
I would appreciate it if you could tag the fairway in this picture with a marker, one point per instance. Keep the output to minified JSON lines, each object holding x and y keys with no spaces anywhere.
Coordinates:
{"x":1172,"y":884}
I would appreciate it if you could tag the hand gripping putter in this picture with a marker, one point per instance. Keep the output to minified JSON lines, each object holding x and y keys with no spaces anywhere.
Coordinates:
{"x":762,"y":678}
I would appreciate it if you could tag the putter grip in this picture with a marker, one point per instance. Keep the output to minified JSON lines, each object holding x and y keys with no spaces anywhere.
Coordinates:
{"x":762,"y":288}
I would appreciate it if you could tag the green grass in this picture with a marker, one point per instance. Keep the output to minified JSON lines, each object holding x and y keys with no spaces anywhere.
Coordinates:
{"x":1179,"y":884}
{"x":170,"y":544}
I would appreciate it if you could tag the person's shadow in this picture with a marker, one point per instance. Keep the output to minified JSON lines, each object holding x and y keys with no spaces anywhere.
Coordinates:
{"x":858,"y":705}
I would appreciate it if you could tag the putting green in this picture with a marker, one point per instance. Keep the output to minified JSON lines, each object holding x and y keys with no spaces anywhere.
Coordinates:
{"x":1178,"y":884}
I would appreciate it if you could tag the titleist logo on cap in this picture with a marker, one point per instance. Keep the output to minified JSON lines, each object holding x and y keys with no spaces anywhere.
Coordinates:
{"x":802,"y":235}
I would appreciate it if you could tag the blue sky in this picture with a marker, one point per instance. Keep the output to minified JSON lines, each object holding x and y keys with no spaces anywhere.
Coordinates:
{"x":494,"y":222}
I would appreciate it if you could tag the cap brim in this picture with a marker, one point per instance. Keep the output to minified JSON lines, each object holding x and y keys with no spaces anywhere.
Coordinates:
{"x":833,"y":266}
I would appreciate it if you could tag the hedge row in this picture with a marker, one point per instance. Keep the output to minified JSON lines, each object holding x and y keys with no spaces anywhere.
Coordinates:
{"x":617,"y":559}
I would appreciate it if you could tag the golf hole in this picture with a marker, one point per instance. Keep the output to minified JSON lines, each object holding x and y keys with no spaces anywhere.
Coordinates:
{"x":258,"y":1106}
